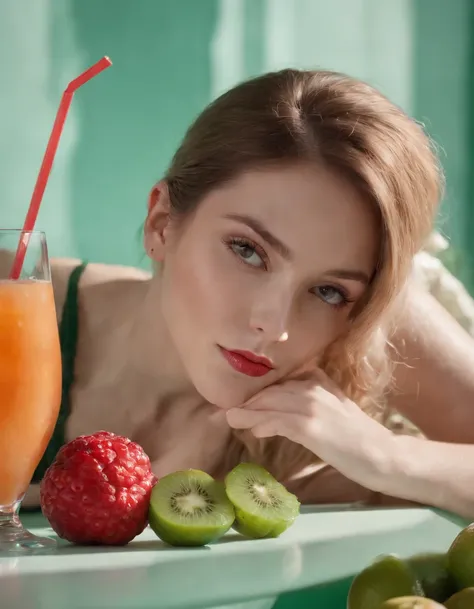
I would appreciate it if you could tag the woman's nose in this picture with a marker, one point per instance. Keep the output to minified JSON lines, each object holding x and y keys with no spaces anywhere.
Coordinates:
{"x":271,"y":316}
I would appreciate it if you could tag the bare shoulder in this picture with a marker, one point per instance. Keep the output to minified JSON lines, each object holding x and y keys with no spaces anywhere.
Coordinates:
{"x":100,"y":280}
{"x":94,"y":274}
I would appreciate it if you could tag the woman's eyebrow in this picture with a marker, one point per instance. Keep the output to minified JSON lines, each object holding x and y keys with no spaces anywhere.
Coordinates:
{"x":264,"y":233}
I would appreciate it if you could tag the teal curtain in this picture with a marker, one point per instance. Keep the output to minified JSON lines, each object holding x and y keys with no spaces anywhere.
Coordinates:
{"x":469,"y":203}
{"x":443,"y":97}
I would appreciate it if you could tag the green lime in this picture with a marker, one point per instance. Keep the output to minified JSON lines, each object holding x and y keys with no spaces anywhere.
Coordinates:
{"x":432,"y":571}
{"x":189,"y":508}
{"x":386,"y":578}
{"x":461,"y":558}
{"x":263,"y":506}
{"x":461,"y":600}
{"x":411,"y":602}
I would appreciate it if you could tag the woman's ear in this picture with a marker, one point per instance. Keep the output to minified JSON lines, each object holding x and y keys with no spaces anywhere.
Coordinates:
{"x":157,"y":222}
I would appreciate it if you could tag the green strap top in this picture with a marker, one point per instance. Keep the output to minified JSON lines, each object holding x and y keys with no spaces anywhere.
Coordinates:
{"x":68,"y":333}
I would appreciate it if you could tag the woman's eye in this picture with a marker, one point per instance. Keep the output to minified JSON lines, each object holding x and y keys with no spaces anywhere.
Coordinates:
{"x":247,"y":253}
{"x":331,"y":295}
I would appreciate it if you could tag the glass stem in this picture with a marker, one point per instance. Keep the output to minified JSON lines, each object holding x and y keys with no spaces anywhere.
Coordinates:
{"x":9,"y":517}
{"x":15,"y":539}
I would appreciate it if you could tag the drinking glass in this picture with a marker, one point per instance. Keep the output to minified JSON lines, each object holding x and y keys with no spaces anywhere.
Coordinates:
{"x":30,"y":380}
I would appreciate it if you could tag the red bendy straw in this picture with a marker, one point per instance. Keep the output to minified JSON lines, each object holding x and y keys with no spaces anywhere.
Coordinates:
{"x":48,"y":160}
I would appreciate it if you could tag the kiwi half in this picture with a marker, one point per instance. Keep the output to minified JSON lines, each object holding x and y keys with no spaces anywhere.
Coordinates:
{"x":190,"y":508}
{"x":263,"y":506}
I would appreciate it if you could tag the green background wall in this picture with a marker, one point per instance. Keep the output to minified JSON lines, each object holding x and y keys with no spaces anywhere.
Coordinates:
{"x":170,"y":58}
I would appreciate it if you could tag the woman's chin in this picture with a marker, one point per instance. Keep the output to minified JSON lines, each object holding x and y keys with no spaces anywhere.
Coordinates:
{"x":224,"y":396}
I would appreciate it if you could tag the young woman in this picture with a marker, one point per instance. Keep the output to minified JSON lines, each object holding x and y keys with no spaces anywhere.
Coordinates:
{"x":283,"y":237}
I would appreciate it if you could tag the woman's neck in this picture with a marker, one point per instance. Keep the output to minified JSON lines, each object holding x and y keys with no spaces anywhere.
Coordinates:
{"x":147,"y":347}
{"x":128,"y":345}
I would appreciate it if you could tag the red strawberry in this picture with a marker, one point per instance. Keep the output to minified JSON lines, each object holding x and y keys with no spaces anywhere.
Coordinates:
{"x":98,"y":489}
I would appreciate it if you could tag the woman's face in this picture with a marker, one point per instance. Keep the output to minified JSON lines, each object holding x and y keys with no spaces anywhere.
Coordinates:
{"x":268,"y":266}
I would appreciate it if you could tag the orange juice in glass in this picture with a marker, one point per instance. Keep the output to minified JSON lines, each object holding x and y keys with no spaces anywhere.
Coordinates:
{"x":30,"y":380}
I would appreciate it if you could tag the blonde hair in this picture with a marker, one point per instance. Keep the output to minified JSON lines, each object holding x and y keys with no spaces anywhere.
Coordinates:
{"x":324,"y":117}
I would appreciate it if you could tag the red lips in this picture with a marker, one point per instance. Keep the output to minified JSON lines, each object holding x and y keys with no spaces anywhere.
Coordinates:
{"x":247,"y":362}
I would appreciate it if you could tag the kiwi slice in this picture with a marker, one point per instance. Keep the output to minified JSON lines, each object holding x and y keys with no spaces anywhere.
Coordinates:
{"x":190,"y":508}
{"x":263,"y":506}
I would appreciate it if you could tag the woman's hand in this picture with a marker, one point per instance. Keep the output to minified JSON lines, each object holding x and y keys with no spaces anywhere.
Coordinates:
{"x":316,"y":414}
